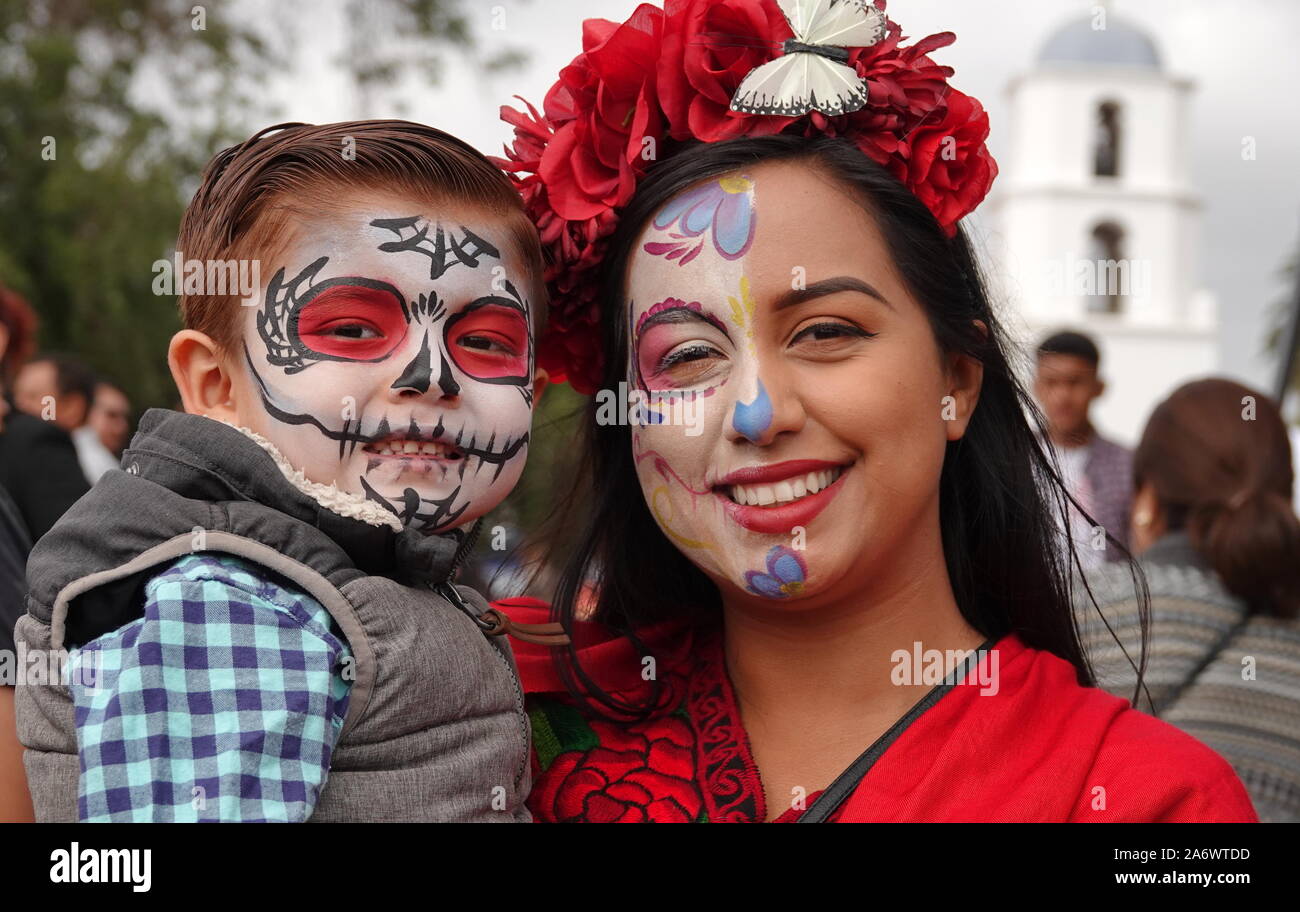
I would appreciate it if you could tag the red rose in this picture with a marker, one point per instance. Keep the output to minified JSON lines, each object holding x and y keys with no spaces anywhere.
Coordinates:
{"x":904,"y":87}
{"x":643,"y":772}
{"x":903,"y":79}
{"x":709,"y":47}
{"x":569,"y":349}
{"x":602,"y":107}
{"x":571,"y":352}
{"x":948,"y":166}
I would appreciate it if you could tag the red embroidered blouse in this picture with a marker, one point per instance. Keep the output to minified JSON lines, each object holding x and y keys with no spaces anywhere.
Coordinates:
{"x":1040,"y":748}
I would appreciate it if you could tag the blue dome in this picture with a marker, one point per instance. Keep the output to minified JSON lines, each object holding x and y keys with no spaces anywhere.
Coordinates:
{"x":1119,"y":43}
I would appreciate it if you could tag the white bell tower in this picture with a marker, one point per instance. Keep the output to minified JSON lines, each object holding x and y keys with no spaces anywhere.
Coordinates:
{"x":1095,"y":219}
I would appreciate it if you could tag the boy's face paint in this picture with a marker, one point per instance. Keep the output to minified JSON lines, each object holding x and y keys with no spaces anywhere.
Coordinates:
{"x":392,"y":355}
{"x":820,"y":403}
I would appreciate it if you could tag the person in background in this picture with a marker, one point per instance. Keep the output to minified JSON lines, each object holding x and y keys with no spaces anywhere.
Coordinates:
{"x":1097,"y":472}
{"x":1219,"y":543}
{"x":16,"y":325}
{"x":17,"y":335}
{"x":38,"y":462}
{"x":110,"y":416}
{"x":61,"y":389}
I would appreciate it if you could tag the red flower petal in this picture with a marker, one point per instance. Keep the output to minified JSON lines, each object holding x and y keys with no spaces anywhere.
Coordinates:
{"x":600,"y":808}
{"x":667,"y":810}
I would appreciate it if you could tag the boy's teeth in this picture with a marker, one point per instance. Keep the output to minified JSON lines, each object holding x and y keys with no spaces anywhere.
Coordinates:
{"x":784,"y":491}
{"x":409,"y":448}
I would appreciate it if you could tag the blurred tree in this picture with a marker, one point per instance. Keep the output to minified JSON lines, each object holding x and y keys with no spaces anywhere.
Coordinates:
{"x":388,"y":42}
{"x":108,"y":111}
{"x":91,"y":177}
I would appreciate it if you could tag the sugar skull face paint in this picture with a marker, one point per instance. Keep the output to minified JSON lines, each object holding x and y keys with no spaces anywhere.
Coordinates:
{"x":752,"y":419}
{"x":723,"y":208}
{"x":819,"y":380}
{"x":392,"y":355}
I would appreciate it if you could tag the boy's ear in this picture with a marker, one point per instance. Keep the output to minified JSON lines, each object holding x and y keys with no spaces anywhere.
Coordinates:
{"x":201,"y":375}
{"x":541,"y":379}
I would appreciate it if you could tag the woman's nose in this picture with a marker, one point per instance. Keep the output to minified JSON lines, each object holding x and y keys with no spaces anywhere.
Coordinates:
{"x":752,"y":419}
{"x":418,"y":376}
{"x":758,"y":416}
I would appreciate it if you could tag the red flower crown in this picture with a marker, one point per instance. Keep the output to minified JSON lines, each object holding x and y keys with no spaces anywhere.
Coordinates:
{"x":669,"y":75}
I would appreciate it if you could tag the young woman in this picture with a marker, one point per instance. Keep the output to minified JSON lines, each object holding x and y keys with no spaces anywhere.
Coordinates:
{"x":1220,"y":546}
{"x":826,"y":493}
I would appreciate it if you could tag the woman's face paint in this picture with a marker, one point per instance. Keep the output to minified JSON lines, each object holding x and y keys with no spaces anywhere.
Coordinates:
{"x":752,"y":419}
{"x":819,"y":384}
{"x":717,"y":211}
{"x":392,"y":355}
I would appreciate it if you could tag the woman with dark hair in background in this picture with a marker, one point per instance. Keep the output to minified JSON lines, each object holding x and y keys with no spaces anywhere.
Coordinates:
{"x":38,"y":462}
{"x":1220,"y":544}
{"x":822,"y":545}
{"x":19,"y":434}
{"x":17,"y":325}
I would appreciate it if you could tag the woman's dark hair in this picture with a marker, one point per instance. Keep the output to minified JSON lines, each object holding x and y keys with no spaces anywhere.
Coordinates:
{"x":1218,"y":456}
{"x":999,"y":493}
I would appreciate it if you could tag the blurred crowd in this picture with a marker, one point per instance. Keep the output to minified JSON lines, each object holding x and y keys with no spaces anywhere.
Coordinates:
{"x":1205,"y":503}
{"x":62,"y":426}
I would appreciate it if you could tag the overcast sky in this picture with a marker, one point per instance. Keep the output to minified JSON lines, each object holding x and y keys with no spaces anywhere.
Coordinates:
{"x":1241,"y":56}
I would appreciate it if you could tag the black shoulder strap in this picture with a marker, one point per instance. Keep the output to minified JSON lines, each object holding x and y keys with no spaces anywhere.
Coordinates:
{"x":829,"y":801}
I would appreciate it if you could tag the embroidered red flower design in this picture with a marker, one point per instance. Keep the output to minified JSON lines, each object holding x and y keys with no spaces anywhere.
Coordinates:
{"x":643,"y":773}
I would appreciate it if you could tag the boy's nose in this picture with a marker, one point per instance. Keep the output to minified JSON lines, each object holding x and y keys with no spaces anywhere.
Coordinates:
{"x":418,"y":374}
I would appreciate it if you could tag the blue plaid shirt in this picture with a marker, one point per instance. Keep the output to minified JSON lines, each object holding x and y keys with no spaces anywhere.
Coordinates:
{"x":222,"y":703}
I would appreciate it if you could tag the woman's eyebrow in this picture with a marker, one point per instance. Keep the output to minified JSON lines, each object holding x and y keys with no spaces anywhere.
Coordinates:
{"x":829,"y":286}
{"x":681,"y":314}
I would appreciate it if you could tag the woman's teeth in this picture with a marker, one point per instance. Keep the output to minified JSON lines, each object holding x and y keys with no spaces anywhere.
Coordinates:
{"x":412,"y":448}
{"x":784,"y":491}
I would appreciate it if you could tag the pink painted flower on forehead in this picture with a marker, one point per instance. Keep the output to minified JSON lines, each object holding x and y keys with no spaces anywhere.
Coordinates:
{"x":726,"y":206}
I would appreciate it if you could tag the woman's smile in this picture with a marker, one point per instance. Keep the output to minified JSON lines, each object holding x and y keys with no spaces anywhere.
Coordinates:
{"x":776,"y":498}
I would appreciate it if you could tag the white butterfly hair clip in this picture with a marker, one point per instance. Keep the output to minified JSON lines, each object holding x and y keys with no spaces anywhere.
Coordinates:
{"x":813,"y":73}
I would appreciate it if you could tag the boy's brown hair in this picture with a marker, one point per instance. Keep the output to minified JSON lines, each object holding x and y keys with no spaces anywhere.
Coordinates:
{"x":249,"y":193}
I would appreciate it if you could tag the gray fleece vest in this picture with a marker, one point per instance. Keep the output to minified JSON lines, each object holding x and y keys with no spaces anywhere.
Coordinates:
{"x":435,"y":727}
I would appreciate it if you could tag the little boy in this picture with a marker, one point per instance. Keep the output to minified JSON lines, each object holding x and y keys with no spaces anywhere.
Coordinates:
{"x":264,"y":593}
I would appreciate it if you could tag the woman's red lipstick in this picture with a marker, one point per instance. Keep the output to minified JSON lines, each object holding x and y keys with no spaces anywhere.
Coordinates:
{"x":779,"y":518}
